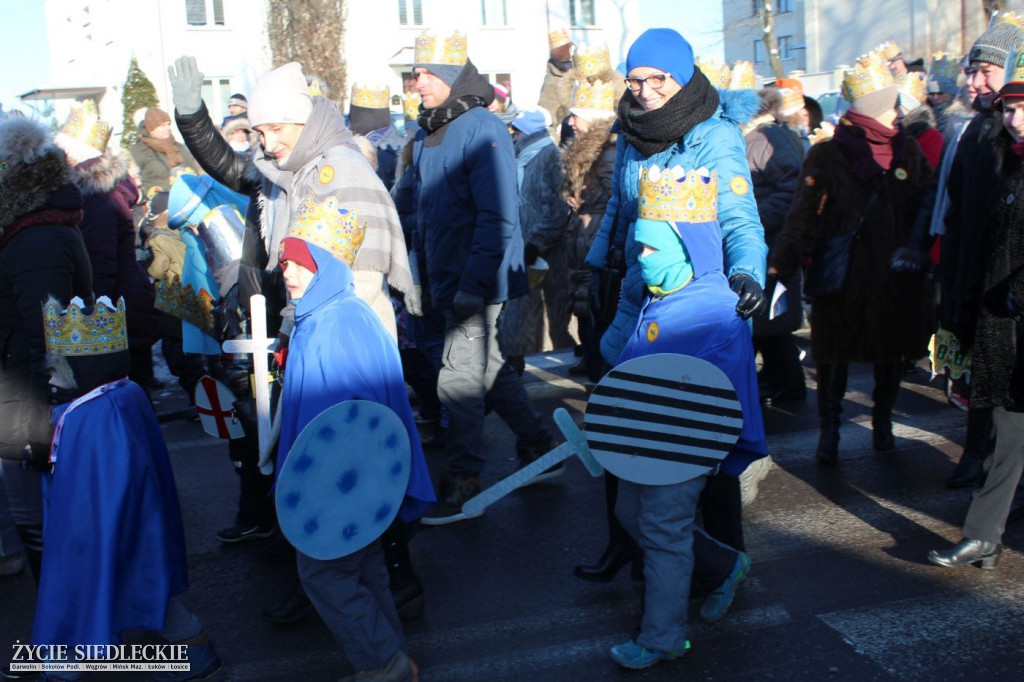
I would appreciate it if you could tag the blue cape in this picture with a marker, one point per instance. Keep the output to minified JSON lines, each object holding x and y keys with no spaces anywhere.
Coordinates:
{"x":340,"y":351}
{"x":115,"y":546}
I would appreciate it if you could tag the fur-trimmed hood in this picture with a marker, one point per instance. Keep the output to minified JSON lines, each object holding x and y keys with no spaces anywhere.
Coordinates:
{"x":738,"y":106}
{"x":582,"y":153}
{"x":100,"y":175}
{"x":32,"y":169}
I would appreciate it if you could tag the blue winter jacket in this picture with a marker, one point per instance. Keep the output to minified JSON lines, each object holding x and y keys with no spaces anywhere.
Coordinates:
{"x":716,"y":144}
{"x":467,"y":210}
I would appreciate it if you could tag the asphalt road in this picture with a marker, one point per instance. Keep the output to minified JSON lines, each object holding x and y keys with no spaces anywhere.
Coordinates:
{"x":839,"y":589}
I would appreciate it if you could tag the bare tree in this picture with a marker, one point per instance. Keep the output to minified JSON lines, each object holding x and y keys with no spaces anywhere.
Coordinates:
{"x":310,"y":32}
{"x":771,"y":43}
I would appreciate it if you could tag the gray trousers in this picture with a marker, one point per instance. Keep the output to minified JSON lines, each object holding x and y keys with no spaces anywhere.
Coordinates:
{"x":661,"y":519}
{"x":474,"y":378}
{"x":986,"y":518}
{"x":351,"y":595}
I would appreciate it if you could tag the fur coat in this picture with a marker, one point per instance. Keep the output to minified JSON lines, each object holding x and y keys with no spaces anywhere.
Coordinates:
{"x":880,"y":316}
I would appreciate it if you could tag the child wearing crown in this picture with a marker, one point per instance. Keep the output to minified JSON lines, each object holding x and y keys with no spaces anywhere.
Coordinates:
{"x":339,"y":351}
{"x":115,"y":545}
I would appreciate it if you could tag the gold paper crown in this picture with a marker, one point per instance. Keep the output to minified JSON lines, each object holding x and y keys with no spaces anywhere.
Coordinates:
{"x":598,"y":96}
{"x":825,"y":132}
{"x":331,"y":228}
{"x":869,"y":74}
{"x":913,"y":84}
{"x":888,"y":50}
{"x":1015,"y":73}
{"x":558,"y":37}
{"x":592,"y":61}
{"x":792,"y":91}
{"x":944,"y":65}
{"x":185,"y":304}
{"x":680,"y":196}
{"x":411,"y":105}
{"x":84,"y":125}
{"x":451,"y":52}
{"x":743,"y":76}
{"x":371,"y":97}
{"x":73,"y":332}
{"x":1014,"y":18}
{"x":717,"y":73}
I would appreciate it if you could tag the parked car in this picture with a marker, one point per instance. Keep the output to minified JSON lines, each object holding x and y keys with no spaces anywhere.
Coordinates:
{"x":833,"y":105}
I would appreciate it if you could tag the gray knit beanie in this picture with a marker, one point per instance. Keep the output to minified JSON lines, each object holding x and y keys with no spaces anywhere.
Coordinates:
{"x":995,"y":45}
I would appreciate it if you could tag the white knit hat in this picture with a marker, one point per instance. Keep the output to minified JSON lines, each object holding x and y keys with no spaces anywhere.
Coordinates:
{"x":281,"y":96}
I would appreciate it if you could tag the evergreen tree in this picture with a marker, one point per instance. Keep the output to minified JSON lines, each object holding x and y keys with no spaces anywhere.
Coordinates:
{"x":138,"y":92}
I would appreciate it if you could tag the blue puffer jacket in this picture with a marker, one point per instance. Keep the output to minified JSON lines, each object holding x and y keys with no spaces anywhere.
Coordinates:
{"x":716,"y":144}
{"x":467,"y":210}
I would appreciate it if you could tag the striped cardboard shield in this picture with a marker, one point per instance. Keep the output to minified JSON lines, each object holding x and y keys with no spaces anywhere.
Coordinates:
{"x":344,"y":479}
{"x":662,"y":419}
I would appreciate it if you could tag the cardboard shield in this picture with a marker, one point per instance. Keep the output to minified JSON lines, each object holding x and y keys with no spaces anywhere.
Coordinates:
{"x":344,"y":479}
{"x":214,"y":403}
{"x":662,"y":419}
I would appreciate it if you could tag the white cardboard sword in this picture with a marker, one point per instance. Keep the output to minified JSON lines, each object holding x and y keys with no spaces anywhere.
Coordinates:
{"x":259,"y":346}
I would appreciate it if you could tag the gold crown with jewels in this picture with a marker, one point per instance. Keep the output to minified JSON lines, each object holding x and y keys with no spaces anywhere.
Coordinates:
{"x":596,"y":96}
{"x":944,"y":65}
{"x":558,"y":37}
{"x":84,"y":125}
{"x":331,"y":228}
{"x":371,"y":96}
{"x":914,"y":84}
{"x":1013,"y":18}
{"x":74,"y":332}
{"x":451,"y":50}
{"x":742,"y":76}
{"x":1015,"y":72}
{"x":869,"y":74}
{"x":677,"y":195}
{"x":717,"y":73}
{"x":411,"y":105}
{"x":185,"y":304}
{"x":591,"y":61}
{"x":888,"y":50}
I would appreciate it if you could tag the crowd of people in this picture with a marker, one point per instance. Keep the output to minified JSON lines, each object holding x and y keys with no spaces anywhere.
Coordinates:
{"x":672,"y":207}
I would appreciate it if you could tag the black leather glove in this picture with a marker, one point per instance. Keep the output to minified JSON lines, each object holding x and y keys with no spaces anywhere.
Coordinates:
{"x":466,"y":305}
{"x":531,"y":252}
{"x":752,"y":298}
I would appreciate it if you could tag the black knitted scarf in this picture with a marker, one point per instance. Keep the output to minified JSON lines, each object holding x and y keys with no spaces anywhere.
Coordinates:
{"x":470,"y":90}
{"x":658,"y":129}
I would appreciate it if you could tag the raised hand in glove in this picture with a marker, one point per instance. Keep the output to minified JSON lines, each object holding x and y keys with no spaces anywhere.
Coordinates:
{"x":186,"y":85}
{"x":906,"y":259}
{"x":752,"y":297}
{"x":466,"y":305}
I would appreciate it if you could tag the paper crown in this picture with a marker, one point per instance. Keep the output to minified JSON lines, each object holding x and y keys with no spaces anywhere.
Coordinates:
{"x":792,"y":91}
{"x":591,"y":61}
{"x":888,"y":50}
{"x":450,"y":51}
{"x":679,"y":196}
{"x":717,"y":73}
{"x":1014,"y":18}
{"x":84,"y":125}
{"x":594,"y":97}
{"x":371,"y":96}
{"x":331,"y":228}
{"x":74,"y":332}
{"x":1015,"y":69}
{"x":825,"y":132}
{"x":913,"y":84}
{"x":185,"y":304}
{"x":742,"y":76}
{"x":944,"y":65}
{"x":411,"y":105}
{"x":869,"y":74}
{"x":558,"y":37}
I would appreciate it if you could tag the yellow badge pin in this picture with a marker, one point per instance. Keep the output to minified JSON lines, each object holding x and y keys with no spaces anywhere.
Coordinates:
{"x":326,"y":175}
{"x":739,"y":185}
{"x":652,"y":331}
{"x":900,"y":174}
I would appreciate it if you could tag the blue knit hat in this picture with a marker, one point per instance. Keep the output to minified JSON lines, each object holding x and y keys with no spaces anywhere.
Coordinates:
{"x":665,"y":49}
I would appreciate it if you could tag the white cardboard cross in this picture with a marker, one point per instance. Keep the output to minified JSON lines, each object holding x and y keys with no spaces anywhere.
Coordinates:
{"x":259,"y":346}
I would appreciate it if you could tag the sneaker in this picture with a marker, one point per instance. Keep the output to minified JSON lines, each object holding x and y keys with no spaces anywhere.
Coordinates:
{"x":454,"y":493}
{"x":528,"y":454}
{"x":751,"y":478}
{"x":203,"y":663}
{"x":635,"y":657}
{"x":243,"y":533}
{"x":719,"y":600}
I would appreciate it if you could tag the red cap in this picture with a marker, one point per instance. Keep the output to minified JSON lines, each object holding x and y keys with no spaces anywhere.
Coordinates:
{"x":297,"y":251}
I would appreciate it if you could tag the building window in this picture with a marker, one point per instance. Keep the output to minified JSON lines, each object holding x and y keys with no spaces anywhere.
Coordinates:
{"x":780,"y":7}
{"x":581,"y":13}
{"x":493,"y":13}
{"x":410,"y":12}
{"x":785,"y":50}
{"x":216,"y":93}
{"x":200,"y":12}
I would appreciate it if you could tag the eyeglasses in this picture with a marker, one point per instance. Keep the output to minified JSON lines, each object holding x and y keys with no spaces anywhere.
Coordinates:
{"x":655,"y":81}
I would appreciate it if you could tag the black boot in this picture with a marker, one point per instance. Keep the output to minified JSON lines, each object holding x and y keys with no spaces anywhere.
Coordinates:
{"x":969,"y":471}
{"x":32,"y":541}
{"x":887,"y":385}
{"x":831,"y":389}
{"x":406,"y":588}
{"x":621,"y":550}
